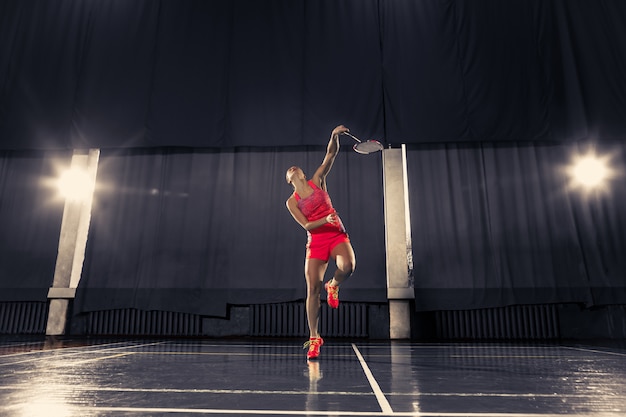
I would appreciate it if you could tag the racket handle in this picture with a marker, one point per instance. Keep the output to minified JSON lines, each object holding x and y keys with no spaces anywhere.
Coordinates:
{"x":352,"y":136}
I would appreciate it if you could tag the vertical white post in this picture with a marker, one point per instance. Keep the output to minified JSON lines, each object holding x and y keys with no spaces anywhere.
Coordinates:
{"x":72,"y":244}
{"x":399,"y":286}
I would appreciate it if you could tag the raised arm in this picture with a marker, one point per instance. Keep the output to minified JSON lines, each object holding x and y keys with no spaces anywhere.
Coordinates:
{"x":319,"y":177}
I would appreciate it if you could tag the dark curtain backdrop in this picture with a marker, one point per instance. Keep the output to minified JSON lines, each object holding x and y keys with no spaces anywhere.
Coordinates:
{"x":502,"y":224}
{"x":194,"y":231}
{"x":30,"y":222}
{"x":230,"y":73}
{"x":199,"y":107}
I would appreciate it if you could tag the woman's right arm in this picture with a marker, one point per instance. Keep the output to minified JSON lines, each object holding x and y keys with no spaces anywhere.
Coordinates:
{"x":332,"y":149}
{"x":292,"y":206}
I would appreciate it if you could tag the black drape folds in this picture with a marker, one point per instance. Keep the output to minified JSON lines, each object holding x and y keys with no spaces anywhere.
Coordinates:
{"x":30,"y":223}
{"x":199,"y":106}
{"x":194,"y":231}
{"x":264,"y":73}
{"x":497,"y":224}
{"x":121,"y":74}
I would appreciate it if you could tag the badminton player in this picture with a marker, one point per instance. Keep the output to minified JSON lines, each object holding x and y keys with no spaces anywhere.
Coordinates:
{"x":311,"y":207}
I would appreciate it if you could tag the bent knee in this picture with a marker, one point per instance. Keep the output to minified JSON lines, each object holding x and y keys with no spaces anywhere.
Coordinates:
{"x":347,"y":268}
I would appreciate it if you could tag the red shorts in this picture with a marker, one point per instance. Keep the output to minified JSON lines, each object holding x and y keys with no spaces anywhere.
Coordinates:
{"x":320,"y":245}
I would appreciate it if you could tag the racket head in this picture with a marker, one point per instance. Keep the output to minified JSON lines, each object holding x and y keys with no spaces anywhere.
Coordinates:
{"x":368,"y":147}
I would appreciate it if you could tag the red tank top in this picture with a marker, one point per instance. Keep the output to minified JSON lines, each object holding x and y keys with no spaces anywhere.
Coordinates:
{"x":316,"y":206}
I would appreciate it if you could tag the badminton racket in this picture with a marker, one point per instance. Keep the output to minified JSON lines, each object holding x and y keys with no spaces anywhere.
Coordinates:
{"x":369,"y":146}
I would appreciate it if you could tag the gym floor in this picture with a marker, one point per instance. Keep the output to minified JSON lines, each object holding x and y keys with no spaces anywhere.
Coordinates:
{"x":250,"y":377}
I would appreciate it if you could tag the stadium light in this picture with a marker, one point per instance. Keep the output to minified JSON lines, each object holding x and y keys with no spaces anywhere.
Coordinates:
{"x":75,"y":184}
{"x":591,"y":172}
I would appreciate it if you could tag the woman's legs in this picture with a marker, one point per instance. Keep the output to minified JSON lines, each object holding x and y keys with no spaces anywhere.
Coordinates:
{"x":344,"y":257}
{"x":314,"y":270}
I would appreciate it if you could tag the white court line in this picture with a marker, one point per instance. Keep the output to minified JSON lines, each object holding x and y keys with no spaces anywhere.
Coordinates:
{"x":595,"y":351}
{"x":382,"y":400}
{"x":300,"y":393}
{"x":73,"y":348}
{"x":199,"y":391}
{"x":322,"y":413}
{"x":69,"y":352}
{"x":459,"y":347}
{"x":37,"y":351}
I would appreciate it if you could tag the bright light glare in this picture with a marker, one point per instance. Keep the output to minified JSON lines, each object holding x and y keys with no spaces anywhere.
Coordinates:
{"x":590,"y":171}
{"x":75,"y":184}
{"x":45,"y":407}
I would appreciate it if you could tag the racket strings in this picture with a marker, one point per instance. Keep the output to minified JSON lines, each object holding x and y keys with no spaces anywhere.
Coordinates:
{"x":368,"y":147}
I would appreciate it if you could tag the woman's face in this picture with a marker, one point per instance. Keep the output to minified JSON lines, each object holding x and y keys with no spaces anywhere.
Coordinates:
{"x":293,"y":172}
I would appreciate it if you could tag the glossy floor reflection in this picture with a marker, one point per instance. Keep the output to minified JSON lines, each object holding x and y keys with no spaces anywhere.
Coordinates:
{"x":141,"y":377}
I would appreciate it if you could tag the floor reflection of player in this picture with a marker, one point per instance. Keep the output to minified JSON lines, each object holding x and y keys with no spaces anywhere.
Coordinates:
{"x":314,"y":374}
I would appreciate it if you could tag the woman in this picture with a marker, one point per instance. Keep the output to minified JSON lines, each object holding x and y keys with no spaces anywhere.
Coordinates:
{"x":311,"y":207}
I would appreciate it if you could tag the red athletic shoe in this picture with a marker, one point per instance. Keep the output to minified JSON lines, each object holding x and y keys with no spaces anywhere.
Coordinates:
{"x":332,"y":297}
{"x":314,"y":344}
